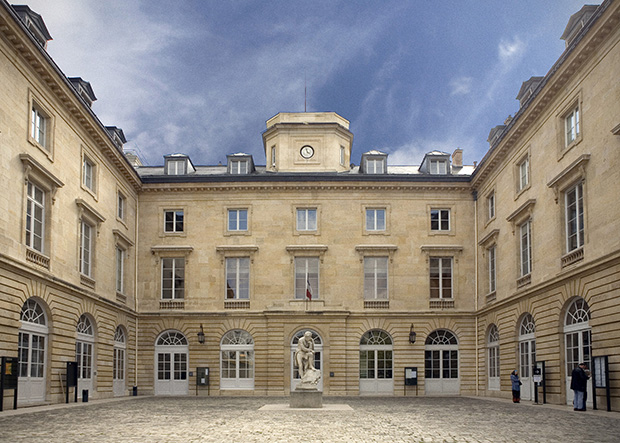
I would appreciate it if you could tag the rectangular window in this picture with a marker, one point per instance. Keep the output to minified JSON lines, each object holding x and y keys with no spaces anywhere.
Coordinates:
{"x":375,"y":278}
{"x":172,"y":278}
{"x":524,"y":173}
{"x":526,"y":248}
{"x":441,"y":277}
{"x":306,"y":219}
{"x":120,"y":270}
{"x":438,"y":167}
{"x":86,"y":248}
{"x":492,"y":268}
{"x":306,"y":278}
{"x":176,"y":167}
{"x":342,"y":152}
{"x":574,"y":217}
{"x":173,"y":221}
{"x":491,"y":206}
{"x":375,"y":166}
{"x":238,"y":278}
{"x":35,"y":218}
{"x":238,"y":166}
{"x":88,"y":174}
{"x":120,"y":209}
{"x":39,"y":123}
{"x":237,"y":219}
{"x":572,"y":126}
{"x":375,"y":219}
{"x":440,"y":219}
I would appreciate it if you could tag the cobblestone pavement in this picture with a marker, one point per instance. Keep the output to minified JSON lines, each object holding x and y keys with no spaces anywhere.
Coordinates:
{"x":224,"y":419}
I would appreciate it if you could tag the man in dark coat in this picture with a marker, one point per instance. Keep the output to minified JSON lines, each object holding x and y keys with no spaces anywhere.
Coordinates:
{"x":579,"y":385}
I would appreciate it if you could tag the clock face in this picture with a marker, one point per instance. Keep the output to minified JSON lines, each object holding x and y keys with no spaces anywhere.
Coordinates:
{"x":306,"y":151}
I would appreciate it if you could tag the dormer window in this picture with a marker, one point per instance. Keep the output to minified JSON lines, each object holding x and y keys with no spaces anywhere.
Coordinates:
{"x":438,"y":167}
{"x":374,"y":162}
{"x":436,"y":163}
{"x":178,"y":164}
{"x":84,"y":90}
{"x":240,"y":164}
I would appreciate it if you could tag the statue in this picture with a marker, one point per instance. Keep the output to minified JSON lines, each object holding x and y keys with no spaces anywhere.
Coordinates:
{"x":304,"y":360}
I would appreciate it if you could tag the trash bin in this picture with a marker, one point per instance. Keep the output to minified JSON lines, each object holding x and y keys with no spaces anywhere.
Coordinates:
{"x":84,"y":395}
{"x":135,"y":391}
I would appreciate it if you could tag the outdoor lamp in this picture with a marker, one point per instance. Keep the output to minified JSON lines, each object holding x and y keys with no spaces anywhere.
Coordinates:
{"x":201,"y":335}
{"x":412,"y":335}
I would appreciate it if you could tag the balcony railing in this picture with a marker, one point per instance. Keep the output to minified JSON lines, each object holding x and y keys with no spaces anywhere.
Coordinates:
{"x":376,"y":304}
{"x":572,"y":257}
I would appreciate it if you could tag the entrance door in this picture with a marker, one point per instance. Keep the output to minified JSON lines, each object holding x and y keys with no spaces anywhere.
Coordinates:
{"x":318,"y":358}
{"x":118,"y":363}
{"x":441,"y":364}
{"x":84,"y":352}
{"x":376,"y":363}
{"x":171,"y":357}
{"x":237,"y":360}
{"x":32,"y":347}
{"x":577,"y":341}
{"x":527,"y":356}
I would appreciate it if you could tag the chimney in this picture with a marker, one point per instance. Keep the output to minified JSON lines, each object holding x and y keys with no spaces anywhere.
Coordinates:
{"x":457,"y":158}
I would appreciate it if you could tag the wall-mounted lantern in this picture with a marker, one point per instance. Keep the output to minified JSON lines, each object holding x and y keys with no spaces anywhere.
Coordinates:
{"x":201,"y":336}
{"x":412,"y":335}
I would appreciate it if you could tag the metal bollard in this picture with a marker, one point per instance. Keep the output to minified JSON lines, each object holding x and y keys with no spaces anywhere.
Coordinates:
{"x":84,"y":395}
{"x":135,"y":391}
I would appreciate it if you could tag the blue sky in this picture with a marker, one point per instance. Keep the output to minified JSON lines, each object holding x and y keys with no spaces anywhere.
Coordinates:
{"x":202,"y":77}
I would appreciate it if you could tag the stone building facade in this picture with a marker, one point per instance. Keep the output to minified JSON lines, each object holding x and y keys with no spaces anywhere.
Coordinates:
{"x":146,"y":274}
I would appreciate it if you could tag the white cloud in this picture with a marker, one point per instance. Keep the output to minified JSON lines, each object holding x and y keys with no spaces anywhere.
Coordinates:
{"x":461,"y":85}
{"x":509,"y":50}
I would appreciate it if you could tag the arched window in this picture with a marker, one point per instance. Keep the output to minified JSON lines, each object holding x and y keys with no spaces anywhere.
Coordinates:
{"x":577,"y":334}
{"x":172,"y":338}
{"x":493,"y":354}
{"x":171,"y":357}
{"x":237,"y":360}
{"x":441,"y":337}
{"x":441,"y":363}
{"x":84,"y":353}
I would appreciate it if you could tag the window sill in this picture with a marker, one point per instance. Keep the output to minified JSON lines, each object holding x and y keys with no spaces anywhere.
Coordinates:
{"x":572,"y":257}
{"x":236,"y":304}
{"x":441,"y":303}
{"x":172,"y":304}
{"x":37,"y":258}
{"x":121,"y":298}
{"x":491,"y":297}
{"x":376,"y":304}
{"x":87,"y":281}
{"x":525,"y":280}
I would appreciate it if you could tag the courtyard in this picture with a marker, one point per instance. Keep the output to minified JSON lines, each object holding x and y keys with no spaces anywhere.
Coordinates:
{"x":343,"y":419}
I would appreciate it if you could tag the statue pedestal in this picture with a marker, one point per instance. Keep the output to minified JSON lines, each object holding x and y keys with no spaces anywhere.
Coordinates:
{"x":306,"y":398}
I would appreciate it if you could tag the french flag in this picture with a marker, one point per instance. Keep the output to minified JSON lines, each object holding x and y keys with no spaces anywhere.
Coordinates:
{"x":308,"y":290}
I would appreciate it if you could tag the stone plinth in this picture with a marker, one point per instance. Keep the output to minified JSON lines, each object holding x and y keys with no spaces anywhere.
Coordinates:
{"x":305,"y":398}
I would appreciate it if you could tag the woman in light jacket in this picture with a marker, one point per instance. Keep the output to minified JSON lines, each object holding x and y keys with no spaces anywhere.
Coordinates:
{"x":516,"y":386}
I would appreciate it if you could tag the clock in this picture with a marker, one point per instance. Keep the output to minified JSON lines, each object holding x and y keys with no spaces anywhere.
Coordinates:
{"x":306,"y":151}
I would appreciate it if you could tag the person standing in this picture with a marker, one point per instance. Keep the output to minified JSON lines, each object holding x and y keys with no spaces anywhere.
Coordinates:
{"x":579,"y":385}
{"x":516,"y":386}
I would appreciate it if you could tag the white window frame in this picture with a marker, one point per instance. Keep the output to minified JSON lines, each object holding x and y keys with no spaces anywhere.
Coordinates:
{"x":523,"y":168}
{"x":89,"y":173}
{"x":34,"y":206}
{"x":525,"y":248}
{"x":374,"y":222}
{"x":304,"y":220}
{"x":176,"y":166}
{"x":239,"y":167}
{"x":237,"y":278}
{"x":574,"y":226}
{"x":441,"y":266}
{"x":492,"y":265}
{"x":443,"y":217}
{"x":39,"y":122}
{"x":120,"y":269}
{"x":177,"y":288}
{"x":307,"y":277}
{"x":493,"y":358}
{"x":121,"y":206}
{"x":176,"y":224}
{"x":87,"y":243}
{"x":376,"y":278}
{"x":235,"y":221}
{"x":572,"y":129}
{"x":491,"y":206}
{"x":438,"y":167}
{"x":375,"y":166}
{"x":342,"y":155}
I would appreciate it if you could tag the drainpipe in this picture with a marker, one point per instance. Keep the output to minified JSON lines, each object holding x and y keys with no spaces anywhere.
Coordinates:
{"x":135,"y":290}
{"x":476,"y":288}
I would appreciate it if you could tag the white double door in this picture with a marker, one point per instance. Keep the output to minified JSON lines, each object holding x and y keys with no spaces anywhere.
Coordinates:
{"x":171,"y":376}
